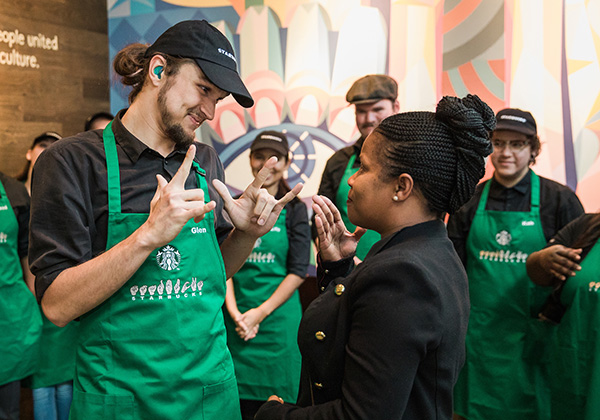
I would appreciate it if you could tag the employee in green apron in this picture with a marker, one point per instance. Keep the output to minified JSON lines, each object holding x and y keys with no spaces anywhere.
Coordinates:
{"x":52,"y":382}
{"x":263,"y":303}
{"x":143,"y":267}
{"x":375,"y":97}
{"x":570,"y":263}
{"x":20,"y":321}
{"x":510,"y":216}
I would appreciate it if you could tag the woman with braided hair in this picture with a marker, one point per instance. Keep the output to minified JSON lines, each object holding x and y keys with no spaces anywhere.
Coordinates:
{"x":385,"y":339}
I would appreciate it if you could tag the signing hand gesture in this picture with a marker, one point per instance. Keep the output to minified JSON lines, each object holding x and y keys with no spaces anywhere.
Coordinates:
{"x":173,"y":206}
{"x":335,"y":241}
{"x":255,"y":211}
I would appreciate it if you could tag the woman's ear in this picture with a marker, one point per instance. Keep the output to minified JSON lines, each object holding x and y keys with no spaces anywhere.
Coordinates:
{"x":404,"y":186}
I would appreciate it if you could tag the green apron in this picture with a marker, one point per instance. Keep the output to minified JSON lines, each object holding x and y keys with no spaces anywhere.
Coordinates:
{"x":575,"y":362}
{"x":269,"y":363}
{"x":370,"y":237}
{"x":157,"y":348}
{"x":20,"y":320}
{"x":504,"y":374}
{"x":57,"y":355}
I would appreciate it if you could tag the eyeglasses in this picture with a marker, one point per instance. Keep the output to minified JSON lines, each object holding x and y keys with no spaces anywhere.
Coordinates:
{"x":513,"y":145}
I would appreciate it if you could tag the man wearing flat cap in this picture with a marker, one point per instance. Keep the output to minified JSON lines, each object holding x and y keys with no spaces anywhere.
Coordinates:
{"x":375,"y":97}
{"x":134,"y":235}
{"x":509,"y":216}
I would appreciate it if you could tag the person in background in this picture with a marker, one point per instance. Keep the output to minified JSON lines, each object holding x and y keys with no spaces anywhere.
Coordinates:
{"x":264,"y":292}
{"x":52,"y":382}
{"x":134,"y":233}
{"x":385,"y":340}
{"x":375,"y":97}
{"x":98,"y":121}
{"x":511,"y":215}
{"x":37,"y":147}
{"x":570,"y":264}
{"x":20,"y":320}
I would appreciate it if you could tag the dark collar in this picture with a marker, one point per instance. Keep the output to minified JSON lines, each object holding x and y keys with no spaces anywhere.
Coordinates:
{"x":358,"y":145}
{"x":131,"y":145}
{"x":522,"y":187}
{"x":430,"y":229}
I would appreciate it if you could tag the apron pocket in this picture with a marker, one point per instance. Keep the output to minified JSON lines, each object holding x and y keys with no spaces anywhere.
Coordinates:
{"x":221,"y":401}
{"x":87,"y":405}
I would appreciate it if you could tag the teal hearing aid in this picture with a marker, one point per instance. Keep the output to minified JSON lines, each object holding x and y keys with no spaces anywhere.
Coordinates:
{"x":158,"y":71}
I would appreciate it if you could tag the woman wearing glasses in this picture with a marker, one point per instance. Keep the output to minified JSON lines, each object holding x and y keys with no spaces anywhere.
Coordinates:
{"x":510,"y":216}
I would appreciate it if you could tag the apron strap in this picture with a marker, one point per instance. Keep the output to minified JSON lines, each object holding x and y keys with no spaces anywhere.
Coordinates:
{"x":112,"y":170}
{"x":484,"y":197}
{"x":113,"y":176}
{"x":535,"y":194}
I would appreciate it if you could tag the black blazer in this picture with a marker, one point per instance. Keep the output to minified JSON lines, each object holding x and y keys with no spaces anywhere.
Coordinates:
{"x":387,"y":341}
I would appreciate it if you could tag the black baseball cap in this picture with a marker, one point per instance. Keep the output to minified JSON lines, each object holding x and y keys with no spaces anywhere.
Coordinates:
{"x":515,"y":119}
{"x":199,"y":40}
{"x":50,"y":136}
{"x":271,"y":140}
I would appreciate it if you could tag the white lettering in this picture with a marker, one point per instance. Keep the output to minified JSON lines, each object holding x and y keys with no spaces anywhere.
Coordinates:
{"x":198,"y":230}
{"x":513,"y":117}
{"x":503,"y":256}
{"x":227,"y":53}
{"x":261,"y":257}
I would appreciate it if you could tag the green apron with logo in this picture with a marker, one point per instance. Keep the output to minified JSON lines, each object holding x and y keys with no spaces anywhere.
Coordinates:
{"x":157,"y":348}
{"x":370,"y":237}
{"x":20,"y":320}
{"x":269,"y":363}
{"x":575,"y":361}
{"x":57,"y":356}
{"x":504,"y":376}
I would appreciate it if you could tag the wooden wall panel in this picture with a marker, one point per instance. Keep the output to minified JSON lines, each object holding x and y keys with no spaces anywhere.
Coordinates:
{"x":70,"y":84}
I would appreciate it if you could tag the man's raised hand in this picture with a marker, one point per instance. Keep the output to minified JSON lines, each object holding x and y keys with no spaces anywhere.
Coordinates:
{"x":255,"y":211}
{"x":173,"y":206}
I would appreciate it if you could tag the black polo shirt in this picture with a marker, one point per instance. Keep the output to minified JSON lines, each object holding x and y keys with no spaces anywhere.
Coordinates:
{"x":69,"y":204}
{"x":19,"y":200}
{"x":558,"y":206}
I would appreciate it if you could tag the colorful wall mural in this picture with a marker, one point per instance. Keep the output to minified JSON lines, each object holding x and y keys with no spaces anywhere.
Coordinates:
{"x":299,"y":57}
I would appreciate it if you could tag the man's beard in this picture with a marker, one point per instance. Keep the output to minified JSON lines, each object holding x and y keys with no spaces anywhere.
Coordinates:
{"x":174,"y":130}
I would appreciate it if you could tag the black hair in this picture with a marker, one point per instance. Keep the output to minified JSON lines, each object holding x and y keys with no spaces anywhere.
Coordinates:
{"x":48,"y":135}
{"x":443,"y":151}
{"x":97,"y":116}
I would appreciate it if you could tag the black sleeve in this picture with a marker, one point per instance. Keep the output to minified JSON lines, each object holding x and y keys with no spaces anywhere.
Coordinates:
{"x":459,"y":225}
{"x":573,"y":231}
{"x":19,"y":200}
{"x":62,"y":221}
{"x":559,"y":206}
{"x":298,"y":233}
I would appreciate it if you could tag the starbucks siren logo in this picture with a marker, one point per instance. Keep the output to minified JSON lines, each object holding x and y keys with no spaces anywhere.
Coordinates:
{"x":503,"y":237}
{"x":168,"y":258}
